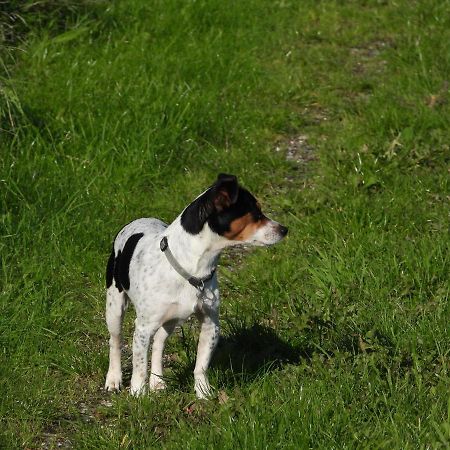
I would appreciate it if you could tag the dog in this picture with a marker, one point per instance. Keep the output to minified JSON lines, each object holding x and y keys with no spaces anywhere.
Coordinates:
{"x":168,"y":272}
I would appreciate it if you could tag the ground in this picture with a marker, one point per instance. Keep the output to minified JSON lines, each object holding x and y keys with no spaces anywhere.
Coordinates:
{"x":335,"y":114}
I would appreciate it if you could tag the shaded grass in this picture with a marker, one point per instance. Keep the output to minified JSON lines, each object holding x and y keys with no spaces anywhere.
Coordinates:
{"x":131,"y":112}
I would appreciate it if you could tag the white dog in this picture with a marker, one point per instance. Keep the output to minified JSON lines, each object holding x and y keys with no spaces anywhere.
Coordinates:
{"x":169,"y":273}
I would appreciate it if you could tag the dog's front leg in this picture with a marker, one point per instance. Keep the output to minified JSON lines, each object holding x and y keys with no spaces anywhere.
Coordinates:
{"x":209,"y":337}
{"x":143,"y":332}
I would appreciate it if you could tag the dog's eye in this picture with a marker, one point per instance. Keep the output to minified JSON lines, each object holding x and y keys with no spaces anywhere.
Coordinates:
{"x":259,"y":216}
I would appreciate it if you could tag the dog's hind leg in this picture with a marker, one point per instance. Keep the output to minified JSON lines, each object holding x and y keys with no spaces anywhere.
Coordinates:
{"x":143,"y":332}
{"x":156,"y":381}
{"x":116,"y":303}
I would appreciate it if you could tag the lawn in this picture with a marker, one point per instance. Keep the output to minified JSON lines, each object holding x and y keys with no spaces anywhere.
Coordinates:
{"x":335,"y":114}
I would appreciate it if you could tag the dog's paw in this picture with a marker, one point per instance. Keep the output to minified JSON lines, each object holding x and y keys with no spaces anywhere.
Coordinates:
{"x":203,"y":389}
{"x":156,"y":383}
{"x":137,"y":388}
{"x":113,"y":381}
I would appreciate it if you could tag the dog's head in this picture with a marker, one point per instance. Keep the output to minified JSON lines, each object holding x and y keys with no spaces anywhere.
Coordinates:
{"x":233,"y":213}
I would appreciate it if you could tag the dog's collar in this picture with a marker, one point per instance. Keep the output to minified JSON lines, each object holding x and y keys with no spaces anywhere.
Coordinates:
{"x":198,"y":283}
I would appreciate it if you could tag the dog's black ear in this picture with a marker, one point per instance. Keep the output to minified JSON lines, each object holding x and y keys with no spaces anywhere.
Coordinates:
{"x":196,"y":214}
{"x":225,"y":191}
{"x":222,"y":194}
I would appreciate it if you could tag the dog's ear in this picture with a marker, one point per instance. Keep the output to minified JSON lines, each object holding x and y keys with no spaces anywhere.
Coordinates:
{"x":225,"y":191}
{"x":193,"y":218}
{"x":222,"y":194}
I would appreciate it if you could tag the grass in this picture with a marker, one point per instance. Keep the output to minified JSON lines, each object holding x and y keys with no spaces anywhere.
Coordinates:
{"x":337,"y":338}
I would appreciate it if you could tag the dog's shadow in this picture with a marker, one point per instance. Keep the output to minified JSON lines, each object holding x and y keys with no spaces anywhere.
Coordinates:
{"x":245,"y":353}
{"x":250,"y":350}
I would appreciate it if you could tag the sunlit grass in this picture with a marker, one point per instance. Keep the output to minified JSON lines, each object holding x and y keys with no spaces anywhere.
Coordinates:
{"x":336,"y":338}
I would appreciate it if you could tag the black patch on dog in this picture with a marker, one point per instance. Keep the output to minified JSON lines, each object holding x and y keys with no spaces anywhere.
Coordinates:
{"x":110,"y":270}
{"x":122,"y":263}
{"x":195,"y":215}
{"x":220,"y":222}
{"x":116,"y":271}
{"x":202,"y":210}
{"x":218,"y":198}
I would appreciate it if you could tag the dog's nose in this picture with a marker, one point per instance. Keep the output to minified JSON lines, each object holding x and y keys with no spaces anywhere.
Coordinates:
{"x":283,"y":230}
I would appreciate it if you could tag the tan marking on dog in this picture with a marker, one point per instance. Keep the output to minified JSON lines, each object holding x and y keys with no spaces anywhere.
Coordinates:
{"x":244,"y":227}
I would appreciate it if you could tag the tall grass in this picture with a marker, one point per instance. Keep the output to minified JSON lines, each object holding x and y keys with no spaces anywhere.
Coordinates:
{"x":339,"y":337}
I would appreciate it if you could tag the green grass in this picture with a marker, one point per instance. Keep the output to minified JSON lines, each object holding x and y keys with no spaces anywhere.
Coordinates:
{"x":337,"y":338}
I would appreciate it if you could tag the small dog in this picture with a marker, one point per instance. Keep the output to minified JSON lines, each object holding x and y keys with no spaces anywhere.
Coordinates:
{"x":169,"y":273}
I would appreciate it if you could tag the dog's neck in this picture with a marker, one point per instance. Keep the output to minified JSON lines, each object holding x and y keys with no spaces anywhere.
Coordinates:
{"x":198,"y":253}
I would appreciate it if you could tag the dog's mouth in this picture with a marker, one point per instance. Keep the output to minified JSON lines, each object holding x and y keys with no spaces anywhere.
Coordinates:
{"x":268,"y":234}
